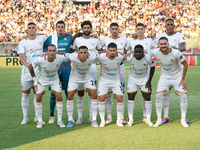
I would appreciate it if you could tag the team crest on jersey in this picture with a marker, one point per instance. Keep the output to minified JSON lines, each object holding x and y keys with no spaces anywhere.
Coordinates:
{"x":89,"y":64}
{"x":175,"y":40}
{"x":40,"y":43}
{"x":93,"y":44}
{"x":65,"y":39}
{"x":31,"y":50}
{"x":117,"y":63}
{"x":146,"y":44}
{"x":171,"y":60}
{"x":158,"y":59}
{"x":121,"y":43}
{"x":144,"y":64}
{"x":44,"y":68}
{"x":57,"y":65}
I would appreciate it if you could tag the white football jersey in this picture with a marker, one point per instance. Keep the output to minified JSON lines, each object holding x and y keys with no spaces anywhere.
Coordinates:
{"x":121,"y":43}
{"x":170,"y":63}
{"x":92,"y":44}
{"x":147,"y":43}
{"x":174,"y":40}
{"x":139,"y":68}
{"x":31,"y":50}
{"x":48,"y":70}
{"x":110,"y":68}
{"x":81,"y":70}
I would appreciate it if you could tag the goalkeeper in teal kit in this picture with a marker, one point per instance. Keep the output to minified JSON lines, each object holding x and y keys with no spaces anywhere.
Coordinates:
{"x":63,"y":43}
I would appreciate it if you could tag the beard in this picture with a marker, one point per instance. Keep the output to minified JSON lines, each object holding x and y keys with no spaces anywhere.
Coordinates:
{"x":87,"y":33}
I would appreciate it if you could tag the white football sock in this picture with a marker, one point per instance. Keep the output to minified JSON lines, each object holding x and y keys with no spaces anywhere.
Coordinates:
{"x":183,"y":105}
{"x":159,"y":105}
{"x":80,"y":106}
{"x":38,"y":108}
{"x":70,"y":107}
{"x":102,"y":111}
{"x":148,"y":106}
{"x":109,"y":104}
{"x":144,"y":108}
{"x":25,"y":104}
{"x":123,"y":107}
{"x":34,"y":101}
{"x":119,"y":111}
{"x":94,"y":106}
{"x":59,"y":106}
{"x":166,"y":101}
{"x":130,"y":109}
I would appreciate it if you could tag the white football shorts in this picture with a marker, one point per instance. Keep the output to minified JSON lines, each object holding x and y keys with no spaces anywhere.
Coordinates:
{"x":76,"y":85}
{"x":107,"y":85}
{"x":165,"y":83}
{"x":55,"y":86}
{"x":134,"y":83}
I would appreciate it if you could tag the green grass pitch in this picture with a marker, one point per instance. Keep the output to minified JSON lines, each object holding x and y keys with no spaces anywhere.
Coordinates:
{"x":13,"y":135}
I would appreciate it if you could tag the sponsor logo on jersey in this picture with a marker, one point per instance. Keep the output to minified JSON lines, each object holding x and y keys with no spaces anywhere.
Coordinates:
{"x":181,"y":56}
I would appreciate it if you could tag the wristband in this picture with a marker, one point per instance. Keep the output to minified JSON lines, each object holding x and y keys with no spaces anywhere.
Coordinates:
{"x":35,"y":80}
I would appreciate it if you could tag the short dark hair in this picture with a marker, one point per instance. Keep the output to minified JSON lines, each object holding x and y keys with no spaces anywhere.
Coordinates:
{"x":114,"y":24}
{"x":139,"y":46}
{"x":83,"y":47}
{"x":140,"y":24}
{"x":169,"y":20}
{"x":112,"y":45}
{"x":60,"y":22}
{"x":163,"y":38}
{"x":31,"y":23}
{"x":86,"y":23}
{"x":50,"y":45}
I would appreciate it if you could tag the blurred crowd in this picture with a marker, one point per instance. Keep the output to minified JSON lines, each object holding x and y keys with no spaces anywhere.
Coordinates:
{"x":15,"y":15}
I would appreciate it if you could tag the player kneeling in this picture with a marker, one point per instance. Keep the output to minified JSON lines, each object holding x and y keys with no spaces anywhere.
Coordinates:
{"x":109,"y":80}
{"x":138,"y":77}
{"x":80,"y":76}
{"x":48,"y":76}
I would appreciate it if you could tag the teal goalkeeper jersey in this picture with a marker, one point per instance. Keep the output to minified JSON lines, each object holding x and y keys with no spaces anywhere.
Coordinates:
{"x":64,"y":43}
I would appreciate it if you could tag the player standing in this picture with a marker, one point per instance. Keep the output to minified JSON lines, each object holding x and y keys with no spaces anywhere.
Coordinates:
{"x":109,"y":80}
{"x":176,"y":41}
{"x":29,"y":49}
{"x":138,"y":77}
{"x":93,"y":45}
{"x":62,"y":42}
{"x":171,"y":75}
{"x":121,"y":43}
{"x":147,"y":44}
{"x":48,"y":76}
{"x":81,"y":76}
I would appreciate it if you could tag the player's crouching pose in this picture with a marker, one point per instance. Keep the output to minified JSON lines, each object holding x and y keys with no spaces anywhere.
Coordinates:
{"x":48,"y":76}
{"x":80,"y":76}
{"x":171,"y":75}
{"x":138,"y":77}
{"x":109,"y":79}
